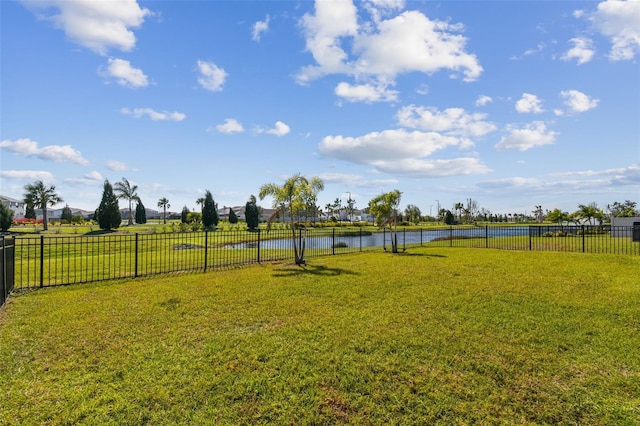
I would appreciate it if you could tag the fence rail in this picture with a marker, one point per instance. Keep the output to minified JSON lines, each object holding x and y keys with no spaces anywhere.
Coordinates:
{"x":42,"y":261}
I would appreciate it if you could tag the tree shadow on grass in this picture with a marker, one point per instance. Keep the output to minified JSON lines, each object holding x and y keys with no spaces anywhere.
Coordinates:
{"x":318,"y":270}
{"x":99,"y":232}
{"x":420,"y":254}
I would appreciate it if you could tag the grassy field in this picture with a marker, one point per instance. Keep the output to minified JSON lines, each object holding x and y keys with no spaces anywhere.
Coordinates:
{"x":434,"y":336}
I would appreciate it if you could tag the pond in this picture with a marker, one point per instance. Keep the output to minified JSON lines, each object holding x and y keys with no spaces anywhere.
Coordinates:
{"x":380,"y":239}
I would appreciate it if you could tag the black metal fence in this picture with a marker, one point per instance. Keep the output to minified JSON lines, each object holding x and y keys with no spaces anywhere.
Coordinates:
{"x":7,"y":252}
{"x":41,"y":261}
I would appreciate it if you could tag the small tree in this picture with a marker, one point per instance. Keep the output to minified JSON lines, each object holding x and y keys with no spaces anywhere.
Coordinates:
{"x":385,"y":209}
{"x":37,"y":194}
{"x":128,"y":192}
{"x":233,"y":217}
{"x":163,"y":203}
{"x":29,"y":212}
{"x":252,"y":214}
{"x":210,"y":216}
{"x":184,"y":215}
{"x":141,"y":213}
{"x":6,"y":217}
{"x":413,"y":214}
{"x":448,"y":217}
{"x":291,"y":198}
{"x":108,"y":213}
{"x":66,"y":214}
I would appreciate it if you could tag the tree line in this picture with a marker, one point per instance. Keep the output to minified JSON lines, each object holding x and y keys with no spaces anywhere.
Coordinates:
{"x":297,"y":198}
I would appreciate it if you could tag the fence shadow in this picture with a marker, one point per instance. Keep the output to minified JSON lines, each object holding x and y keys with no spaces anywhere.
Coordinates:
{"x":318,"y":270}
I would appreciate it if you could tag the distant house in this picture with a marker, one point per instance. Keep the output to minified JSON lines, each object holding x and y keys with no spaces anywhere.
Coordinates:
{"x":223,"y":213}
{"x":626,"y":227}
{"x":16,"y":206}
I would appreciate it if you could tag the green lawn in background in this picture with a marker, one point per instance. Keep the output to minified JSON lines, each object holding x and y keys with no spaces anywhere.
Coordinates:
{"x":436,"y":335}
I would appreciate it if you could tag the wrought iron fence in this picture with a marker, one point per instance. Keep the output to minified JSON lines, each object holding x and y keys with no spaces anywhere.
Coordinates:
{"x":7,"y":251}
{"x":41,"y":261}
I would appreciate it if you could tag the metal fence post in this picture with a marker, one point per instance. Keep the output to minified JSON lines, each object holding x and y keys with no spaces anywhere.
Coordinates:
{"x":486,"y":236}
{"x":135,"y":273}
{"x":41,"y":260}
{"x":258,"y":245}
{"x":582,"y":228}
{"x":450,"y":236}
{"x":530,"y":239}
{"x":206,"y":248}
{"x":3,"y":278}
{"x":333,"y":241}
{"x":360,"y":238}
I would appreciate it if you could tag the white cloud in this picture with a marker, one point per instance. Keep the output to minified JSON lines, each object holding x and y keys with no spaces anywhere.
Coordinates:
{"x":365,"y":93}
{"x":331,"y":21}
{"x":89,"y":179}
{"x":125,"y":74}
{"x":451,"y":121}
{"x":57,"y":153}
{"x":412,"y":42}
{"x":483,"y":100}
{"x":417,"y":167}
{"x":532,"y":135}
{"x":529,"y":104}
{"x":280,"y":129}
{"x":211,"y":76}
{"x":577,"y":101}
{"x":401,"y":153}
{"x":619,"y":20}
{"x":96,"y":25}
{"x":352,"y":180}
{"x":28,"y":175}
{"x":230,"y":126}
{"x":154,"y":115}
{"x":118,"y":166}
{"x":587,"y":182}
{"x":259,"y":28}
{"x":582,"y":50}
{"x":382,"y":48}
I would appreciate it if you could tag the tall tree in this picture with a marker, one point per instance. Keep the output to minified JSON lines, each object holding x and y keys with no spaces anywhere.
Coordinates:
{"x":385,"y":209}
{"x":108,"y":212}
{"x":66,"y":215}
{"x":141,"y":213}
{"x":184,"y":216}
{"x":252,"y":214}
{"x":458,"y":207}
{"x":163,"y":203}
{"x":38,"y":194}
{"x":210,"y":216}
{"x":29,"y":211}
{"x":351,"y":203}
{"x":126,"y":191}
{"x":290,"y":198}
{"x":6,"y":217}
{"x":233,"y":217}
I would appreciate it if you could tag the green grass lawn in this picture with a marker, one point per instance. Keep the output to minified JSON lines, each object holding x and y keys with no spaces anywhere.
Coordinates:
{"x":437,"y":335}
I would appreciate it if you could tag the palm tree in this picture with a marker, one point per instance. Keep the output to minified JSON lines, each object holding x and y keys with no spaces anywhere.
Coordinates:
{"x":129,"y":192}
{"x":589,"y":212}
{"x":385,"y":209}
{"x":37,"y":194}
{"x":458,"y":207}
{"x":164,"y":204}
{"x":201,"y":202}
{"x":291,"y":198}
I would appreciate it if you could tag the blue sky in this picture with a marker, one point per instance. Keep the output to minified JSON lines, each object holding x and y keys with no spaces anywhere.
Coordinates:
{"x":513,"y":104}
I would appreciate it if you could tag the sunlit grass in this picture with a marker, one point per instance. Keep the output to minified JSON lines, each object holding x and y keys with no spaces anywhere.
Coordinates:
{"x":431,"y":336}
